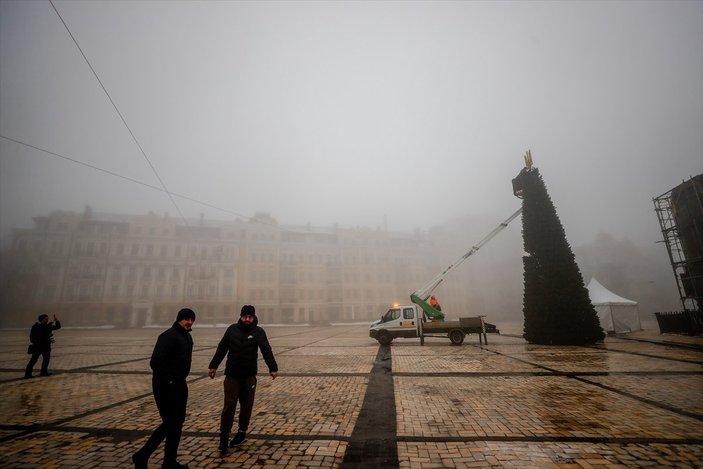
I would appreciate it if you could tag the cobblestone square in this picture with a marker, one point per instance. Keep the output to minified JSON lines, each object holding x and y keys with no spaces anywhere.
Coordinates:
{"x":633,"y":401}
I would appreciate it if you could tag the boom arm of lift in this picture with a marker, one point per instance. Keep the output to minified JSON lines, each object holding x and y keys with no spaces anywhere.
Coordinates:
{"x":420,"y":296}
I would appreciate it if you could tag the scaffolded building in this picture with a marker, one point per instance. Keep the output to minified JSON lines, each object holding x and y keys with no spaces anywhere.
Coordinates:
{"x":680,"y":213}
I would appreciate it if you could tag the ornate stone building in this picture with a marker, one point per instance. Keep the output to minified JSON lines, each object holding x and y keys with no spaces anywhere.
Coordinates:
{"x":128,"y":271}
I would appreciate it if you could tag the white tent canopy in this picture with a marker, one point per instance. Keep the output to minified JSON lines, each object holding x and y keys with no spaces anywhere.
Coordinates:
{"x":616,"y":314}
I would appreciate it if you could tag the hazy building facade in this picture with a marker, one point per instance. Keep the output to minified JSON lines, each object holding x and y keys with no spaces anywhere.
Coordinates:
{"x":130,"y":271}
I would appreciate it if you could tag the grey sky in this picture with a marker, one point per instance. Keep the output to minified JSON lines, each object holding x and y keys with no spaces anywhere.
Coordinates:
{"x":356,"y":113}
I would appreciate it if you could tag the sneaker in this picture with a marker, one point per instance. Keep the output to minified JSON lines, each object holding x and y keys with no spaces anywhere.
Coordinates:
{"x":174,"y":465}
{"x":238,"y":438}
{"x":139,"y":461}
{"x":28,"y":376}
{"x":45,"y":374}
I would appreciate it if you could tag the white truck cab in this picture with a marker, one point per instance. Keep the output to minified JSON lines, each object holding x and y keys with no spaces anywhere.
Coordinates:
{"x":400,"y":320}
{"x":410,"y":321}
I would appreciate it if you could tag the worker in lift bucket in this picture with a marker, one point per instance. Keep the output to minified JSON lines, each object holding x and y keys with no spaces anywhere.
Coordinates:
{"x":435,"y":304}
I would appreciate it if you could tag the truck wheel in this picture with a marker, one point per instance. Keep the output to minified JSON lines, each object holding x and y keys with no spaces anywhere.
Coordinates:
{"x":384,"y":338}
{"x":456,"y":336}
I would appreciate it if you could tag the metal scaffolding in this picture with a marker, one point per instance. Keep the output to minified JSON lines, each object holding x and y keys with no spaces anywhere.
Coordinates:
{"x":686,"y":267}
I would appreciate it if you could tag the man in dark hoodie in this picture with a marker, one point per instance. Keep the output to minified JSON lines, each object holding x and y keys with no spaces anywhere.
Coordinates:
{"x":170,"y":363}
{"x":41,"y":336}
{"x":241,"y":343}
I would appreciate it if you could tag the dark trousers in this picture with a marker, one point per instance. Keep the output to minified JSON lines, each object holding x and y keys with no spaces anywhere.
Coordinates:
{"x":242,"y":390}
{"x":171,"y":400}
{"x":46,"y":356}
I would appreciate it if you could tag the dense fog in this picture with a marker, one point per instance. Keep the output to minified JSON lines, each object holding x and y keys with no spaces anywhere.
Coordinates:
{"x":399,"y":116}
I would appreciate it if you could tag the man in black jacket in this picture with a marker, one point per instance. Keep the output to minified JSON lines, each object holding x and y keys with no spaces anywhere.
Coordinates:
{"x":170,"y":363}
{"x":241,"y":343}
{"x":41,"y":336}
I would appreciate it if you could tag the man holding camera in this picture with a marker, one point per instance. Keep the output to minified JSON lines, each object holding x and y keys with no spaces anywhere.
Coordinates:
{"x":41,"y":336}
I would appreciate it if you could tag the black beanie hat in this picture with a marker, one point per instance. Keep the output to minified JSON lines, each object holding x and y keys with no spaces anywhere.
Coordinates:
{"x":248,"y":310}
{"x":185,"y":313}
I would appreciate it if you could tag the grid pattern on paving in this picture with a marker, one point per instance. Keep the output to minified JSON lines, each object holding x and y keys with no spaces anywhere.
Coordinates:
{"x":549,"y":455}
{"x":663,"y":352}
{"x":294,"y":406}
{"x":323,"y":364}
{"x":688,"y":395}
{"x":81,"y":450}
{"x":62,"y":396}
{"x":538,"y":406}
{"x":583,"y":360}
{"x":472,"y":361}
{"x":94,"y":359}
{"x":624,"y":403}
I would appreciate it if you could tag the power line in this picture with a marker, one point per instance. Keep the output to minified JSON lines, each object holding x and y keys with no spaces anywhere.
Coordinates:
{"x":120,"y":114}
{"x":127,"y":178}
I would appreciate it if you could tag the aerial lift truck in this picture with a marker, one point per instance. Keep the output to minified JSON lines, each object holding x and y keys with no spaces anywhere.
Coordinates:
{"x":422,"y":320}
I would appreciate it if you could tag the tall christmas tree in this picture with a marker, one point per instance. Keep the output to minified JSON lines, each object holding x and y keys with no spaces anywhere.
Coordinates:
{"x":556,"y":304}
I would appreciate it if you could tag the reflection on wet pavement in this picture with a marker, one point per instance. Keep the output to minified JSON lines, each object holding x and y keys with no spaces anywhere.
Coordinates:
{"x":624,"y":403}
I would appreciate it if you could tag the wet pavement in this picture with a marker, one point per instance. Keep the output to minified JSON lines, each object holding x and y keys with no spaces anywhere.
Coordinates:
{"x":343,"y":401}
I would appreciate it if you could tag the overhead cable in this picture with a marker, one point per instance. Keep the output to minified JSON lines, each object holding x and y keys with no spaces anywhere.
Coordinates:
{"x":127,"y":178}
{"x":165,"y":189}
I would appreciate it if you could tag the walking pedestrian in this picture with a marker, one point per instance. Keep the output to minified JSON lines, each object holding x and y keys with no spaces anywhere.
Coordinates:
{"x":41,"y":337}
{"x":170,"y":363}
{"x":241,"y":343}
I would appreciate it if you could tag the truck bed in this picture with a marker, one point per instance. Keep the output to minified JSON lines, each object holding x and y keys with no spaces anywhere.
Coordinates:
{"x":473,"y":325}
